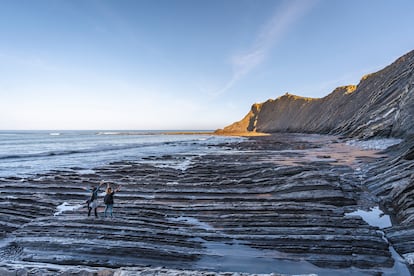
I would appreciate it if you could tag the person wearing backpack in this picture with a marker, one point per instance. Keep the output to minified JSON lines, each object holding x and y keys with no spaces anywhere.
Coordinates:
{"x":109,"y":199}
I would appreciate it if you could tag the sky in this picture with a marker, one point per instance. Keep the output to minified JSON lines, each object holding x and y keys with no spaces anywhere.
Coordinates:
{"x":184,"y":64}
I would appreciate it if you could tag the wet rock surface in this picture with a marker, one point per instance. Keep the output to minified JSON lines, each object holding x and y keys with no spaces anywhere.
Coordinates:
{"x":268,"y":204}
{"x":391,"y":180}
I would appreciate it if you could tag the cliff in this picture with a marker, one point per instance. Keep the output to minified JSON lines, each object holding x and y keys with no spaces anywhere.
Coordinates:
{"x":382,"y":104}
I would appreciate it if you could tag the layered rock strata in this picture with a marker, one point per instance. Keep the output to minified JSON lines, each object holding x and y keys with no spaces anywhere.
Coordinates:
{"x":391,"y":180}
{"x":257,"y":205}
{"x":381,"y":104}
{"x":282,"y":201}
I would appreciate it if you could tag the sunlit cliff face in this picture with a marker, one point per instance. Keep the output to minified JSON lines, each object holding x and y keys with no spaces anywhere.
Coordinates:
{"x":296,"y":97}
{"x":350,"y":89}
{"x":380,"y":105}
{"x":366,"y":76}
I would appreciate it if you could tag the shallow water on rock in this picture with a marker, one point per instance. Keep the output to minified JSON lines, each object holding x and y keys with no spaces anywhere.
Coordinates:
{"x":374,"y":217}
{"x":236,"y":257}
{"x":270,"y":205}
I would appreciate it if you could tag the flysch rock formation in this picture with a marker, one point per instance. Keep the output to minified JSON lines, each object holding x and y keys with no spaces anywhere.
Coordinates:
{"x":277,"y":204}
{"x":381,"y":104}
{"x":281,"y":204}
{"x":391,"y":180}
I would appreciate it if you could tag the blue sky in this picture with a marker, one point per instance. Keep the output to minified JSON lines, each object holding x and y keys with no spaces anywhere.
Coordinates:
{"x":165,"y":64}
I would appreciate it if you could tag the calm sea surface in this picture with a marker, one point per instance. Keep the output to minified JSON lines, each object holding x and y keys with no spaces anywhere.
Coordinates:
{"x":28,"y":152}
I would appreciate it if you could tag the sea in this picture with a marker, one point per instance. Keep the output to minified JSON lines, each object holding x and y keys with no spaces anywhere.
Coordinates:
{"x":25,"y":153}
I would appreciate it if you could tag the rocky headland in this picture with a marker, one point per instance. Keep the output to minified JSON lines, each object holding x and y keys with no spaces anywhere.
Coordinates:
{"x":293,"y":202}
{"x":381,"y":105}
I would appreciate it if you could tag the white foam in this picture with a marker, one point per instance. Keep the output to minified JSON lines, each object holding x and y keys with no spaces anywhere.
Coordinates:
{"x":192,"y":221}
{"x":175,"y":164}
{"x":86,"y":171}
{"x":66,"y":207}
{"x":108,"y":133}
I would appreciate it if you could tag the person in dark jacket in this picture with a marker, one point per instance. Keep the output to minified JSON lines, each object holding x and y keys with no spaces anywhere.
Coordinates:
{"x":93,"y":199}
{"x":109,"y":198}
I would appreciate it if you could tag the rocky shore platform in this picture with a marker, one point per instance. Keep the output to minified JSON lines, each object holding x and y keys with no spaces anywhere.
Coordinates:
{"x":282,"y":204}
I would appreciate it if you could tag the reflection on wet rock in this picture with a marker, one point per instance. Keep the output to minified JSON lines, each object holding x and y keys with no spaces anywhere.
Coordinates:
{"x":267,"y":204}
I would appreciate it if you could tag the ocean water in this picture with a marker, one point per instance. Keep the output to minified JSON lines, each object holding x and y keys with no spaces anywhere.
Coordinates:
{"x":24,"y":153}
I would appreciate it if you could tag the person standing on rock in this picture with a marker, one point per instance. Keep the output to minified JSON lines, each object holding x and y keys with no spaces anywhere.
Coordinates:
{"x":109,"y":198}
{"x":93,"y":200}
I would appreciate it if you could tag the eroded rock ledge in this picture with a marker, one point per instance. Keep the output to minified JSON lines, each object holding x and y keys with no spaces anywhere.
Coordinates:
{"x":270,"y":204}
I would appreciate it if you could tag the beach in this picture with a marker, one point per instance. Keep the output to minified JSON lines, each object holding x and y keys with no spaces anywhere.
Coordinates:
{"x":282,"y":204}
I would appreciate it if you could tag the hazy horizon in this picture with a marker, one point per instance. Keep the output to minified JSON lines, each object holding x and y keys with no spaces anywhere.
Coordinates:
{"x":111,"y":130}
{"x":181,"y":64}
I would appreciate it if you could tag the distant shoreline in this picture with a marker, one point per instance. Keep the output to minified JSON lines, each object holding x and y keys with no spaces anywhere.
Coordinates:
{"x":188,"y":133}
{"x":217,"y":133}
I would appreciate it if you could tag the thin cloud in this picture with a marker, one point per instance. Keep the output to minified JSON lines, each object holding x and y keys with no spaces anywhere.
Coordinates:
{"x":269,"y":35}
